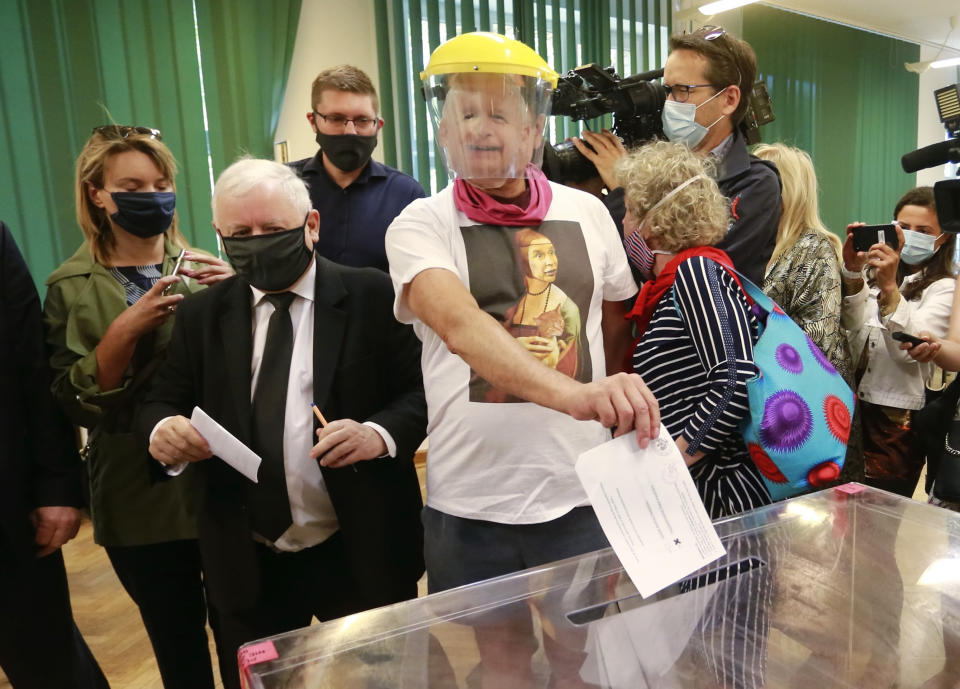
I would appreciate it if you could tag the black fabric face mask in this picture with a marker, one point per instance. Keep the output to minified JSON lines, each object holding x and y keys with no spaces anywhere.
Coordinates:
{"x":270,"y":262}
{"x":144,"y":213}
{"x":348,"y":152}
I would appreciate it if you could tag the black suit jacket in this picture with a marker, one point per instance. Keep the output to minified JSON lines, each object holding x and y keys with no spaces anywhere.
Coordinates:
{"x":366,"y":368}
{"x":39,"y":465}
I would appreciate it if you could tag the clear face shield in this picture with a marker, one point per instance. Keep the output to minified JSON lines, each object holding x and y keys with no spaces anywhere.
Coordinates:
{"x":489,"y":126}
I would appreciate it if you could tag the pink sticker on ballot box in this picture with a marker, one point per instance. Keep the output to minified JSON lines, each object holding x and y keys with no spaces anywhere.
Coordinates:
{"x":257,"y":653}
{"x":851,"y":488}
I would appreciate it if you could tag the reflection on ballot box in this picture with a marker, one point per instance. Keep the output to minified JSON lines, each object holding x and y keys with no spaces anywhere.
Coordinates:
{"x":808,"y":594}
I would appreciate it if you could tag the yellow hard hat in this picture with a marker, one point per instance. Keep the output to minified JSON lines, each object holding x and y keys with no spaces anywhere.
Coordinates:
{"x":481,"y":51}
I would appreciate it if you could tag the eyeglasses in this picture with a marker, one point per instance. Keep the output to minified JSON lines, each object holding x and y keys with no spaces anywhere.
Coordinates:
{"x":363,"y":125}
{"x":122,"y":131}
{"x":681,"y":92}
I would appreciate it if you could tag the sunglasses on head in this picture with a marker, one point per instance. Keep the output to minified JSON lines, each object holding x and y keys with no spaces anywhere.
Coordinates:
{"x":709,"y":33}
{"x":122,"y":131}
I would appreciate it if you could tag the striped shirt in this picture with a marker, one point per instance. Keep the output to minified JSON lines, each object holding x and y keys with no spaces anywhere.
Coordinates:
{"x":136,"y":280}
{"x":696,"y":357}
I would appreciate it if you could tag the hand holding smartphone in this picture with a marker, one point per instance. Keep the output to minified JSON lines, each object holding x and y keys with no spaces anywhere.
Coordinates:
{"x":176,"y":270}
{"x":866,"y":236}
{"x":901,"y":336}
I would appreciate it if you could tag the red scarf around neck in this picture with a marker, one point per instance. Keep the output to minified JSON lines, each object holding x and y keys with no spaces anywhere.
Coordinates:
{"x":481,"y":207}
{"x":653,"y":290}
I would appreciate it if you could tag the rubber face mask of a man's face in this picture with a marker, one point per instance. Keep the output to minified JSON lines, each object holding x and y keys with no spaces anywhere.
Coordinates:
{"x":486,"y":131}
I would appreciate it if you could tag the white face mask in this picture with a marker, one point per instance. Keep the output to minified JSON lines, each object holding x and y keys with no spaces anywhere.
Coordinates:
{"x":680,"y":124}
{"x":917,"y":247}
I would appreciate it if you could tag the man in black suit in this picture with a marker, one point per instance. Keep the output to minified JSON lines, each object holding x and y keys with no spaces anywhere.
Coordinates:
{"x":330,"y":528}
{"x":39,"y":495}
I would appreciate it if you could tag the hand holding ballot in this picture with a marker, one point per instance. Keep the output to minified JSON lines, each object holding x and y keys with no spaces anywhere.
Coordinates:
{"x":198,"y":438}
{"x":649,"y":509}
{"x":176,"y":441}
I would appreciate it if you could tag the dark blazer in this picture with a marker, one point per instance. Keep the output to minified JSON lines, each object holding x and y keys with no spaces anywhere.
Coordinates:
{"x":753,"y":188}
{"x":39,"y":465}
{"x":366,"y":368}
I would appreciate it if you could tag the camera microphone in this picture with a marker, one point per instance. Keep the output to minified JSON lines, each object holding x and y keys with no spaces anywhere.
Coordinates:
{"x":932,"y":155}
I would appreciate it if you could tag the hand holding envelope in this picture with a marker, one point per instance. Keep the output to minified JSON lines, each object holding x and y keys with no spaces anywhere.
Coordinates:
{"x":225,"y":445}
{"x":649,"y":509}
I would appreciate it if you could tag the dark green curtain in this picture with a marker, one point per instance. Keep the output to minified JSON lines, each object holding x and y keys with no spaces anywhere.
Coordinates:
{"x":245,"y":50}
{"x":842,"y":95}
{"x":66,"y":67}
{"x":629,"y":34}
{"x":69,"y":65}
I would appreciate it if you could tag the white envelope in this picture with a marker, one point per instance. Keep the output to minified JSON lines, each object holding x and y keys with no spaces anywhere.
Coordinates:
{"x":225,"y":445}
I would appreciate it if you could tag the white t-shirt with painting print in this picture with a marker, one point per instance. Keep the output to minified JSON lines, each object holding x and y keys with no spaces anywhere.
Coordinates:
{"x":493,"y":457}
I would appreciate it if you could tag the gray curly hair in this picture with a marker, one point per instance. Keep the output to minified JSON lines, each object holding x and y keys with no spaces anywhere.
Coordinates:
{"x":697,"y":215}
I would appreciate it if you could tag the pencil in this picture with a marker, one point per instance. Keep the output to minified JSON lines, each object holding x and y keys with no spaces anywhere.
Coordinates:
{"x":323,"y":422}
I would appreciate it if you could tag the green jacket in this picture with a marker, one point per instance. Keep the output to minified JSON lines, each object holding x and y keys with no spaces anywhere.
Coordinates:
{"x":127,"y":506}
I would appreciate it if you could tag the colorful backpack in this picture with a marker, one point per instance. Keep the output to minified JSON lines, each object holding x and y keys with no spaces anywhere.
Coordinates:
{"x":800,"y":406}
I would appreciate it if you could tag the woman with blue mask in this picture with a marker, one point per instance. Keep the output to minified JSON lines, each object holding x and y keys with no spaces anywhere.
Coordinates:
{"x":109,"y":314}
{"x":909,"y":290}
{"x":886,"y":290}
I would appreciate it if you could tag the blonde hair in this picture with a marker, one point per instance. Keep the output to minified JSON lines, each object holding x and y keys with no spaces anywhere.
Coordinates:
{"x":91,"y":166}
{"x":697,"y":215}
{"x":799,"y":208}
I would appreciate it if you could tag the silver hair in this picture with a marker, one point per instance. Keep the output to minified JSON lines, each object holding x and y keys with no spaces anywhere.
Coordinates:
{"x":248,"y":173}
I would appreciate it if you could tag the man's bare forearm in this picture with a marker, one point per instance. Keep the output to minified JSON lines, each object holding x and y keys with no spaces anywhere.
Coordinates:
{"x":441,"y":301}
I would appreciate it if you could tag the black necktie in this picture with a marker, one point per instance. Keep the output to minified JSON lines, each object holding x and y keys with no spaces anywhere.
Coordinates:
{"x":271,"y":505}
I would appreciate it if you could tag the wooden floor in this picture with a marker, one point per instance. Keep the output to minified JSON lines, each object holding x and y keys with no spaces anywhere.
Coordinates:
{"x":109,"y":620}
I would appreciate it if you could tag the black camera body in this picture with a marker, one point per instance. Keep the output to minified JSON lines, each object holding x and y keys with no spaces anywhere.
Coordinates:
{"x":591,"y":91}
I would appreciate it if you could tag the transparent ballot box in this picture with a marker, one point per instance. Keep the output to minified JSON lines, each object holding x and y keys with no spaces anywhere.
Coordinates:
{"x":849,"y":587}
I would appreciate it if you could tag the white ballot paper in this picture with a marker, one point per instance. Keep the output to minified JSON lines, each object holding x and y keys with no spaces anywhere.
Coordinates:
{"x":649,"y":509}
{"x":225,"y":445}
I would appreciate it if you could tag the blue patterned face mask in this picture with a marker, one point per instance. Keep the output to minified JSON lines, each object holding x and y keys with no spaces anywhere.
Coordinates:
{"x":144,"y":214}
{"x":917,"y":247}
{"x":679,"y":121}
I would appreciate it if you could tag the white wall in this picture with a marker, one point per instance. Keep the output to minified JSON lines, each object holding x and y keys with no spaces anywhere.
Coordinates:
{"x":329,"y":33}
{"x":929,"y":128}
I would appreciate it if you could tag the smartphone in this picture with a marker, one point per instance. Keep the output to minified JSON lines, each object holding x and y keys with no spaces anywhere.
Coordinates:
{"x":901,"y":336}
{"x":176,"y":270}
{"x":866,"y":236}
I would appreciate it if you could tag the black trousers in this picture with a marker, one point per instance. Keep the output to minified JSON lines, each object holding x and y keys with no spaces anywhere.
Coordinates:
{"x":295,"y":587}
{"x":164,"y":580}
{"x":905,"y":486}
{"x":40,"y":646}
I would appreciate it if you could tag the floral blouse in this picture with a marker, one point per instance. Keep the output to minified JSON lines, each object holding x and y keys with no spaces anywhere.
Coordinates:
{"x":805,"y":282}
